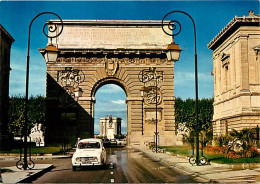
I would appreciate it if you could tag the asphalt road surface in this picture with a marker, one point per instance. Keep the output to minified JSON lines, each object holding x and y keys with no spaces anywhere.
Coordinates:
{"x":123,"y":166}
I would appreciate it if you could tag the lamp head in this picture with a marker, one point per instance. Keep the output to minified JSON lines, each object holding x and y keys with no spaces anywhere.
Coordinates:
{"x":173,"y":52}
{"x":51,"y":53}
{"x":144,"y":91}
{"x":78,"y":92}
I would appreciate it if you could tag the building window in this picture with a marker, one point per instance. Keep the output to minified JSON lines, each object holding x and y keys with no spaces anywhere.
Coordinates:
{"x":257,"y":58}
{"x":226,"y":78}
{"x":225,"y":65}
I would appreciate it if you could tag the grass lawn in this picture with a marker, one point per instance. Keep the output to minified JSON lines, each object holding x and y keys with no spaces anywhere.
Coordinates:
{"x":38,"y":150}
{"x":217,"y":158}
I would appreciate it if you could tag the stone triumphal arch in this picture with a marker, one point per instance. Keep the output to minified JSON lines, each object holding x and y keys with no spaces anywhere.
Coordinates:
{"x":94,"y":53}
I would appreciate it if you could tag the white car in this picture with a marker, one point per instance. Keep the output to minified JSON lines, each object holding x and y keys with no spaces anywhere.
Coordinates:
{"x":121,"y":142}
{"x":89,"y":152}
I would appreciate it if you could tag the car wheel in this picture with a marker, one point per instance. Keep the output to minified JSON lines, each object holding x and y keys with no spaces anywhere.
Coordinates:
{"x":74,"y":168}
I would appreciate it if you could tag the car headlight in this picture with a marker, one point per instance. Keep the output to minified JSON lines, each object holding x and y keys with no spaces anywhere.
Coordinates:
{"x":93,"y":159}
{"x":78,"y":159}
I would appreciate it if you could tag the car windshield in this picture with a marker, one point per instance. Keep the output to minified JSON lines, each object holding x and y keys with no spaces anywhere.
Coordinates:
{"x":84,"y":145}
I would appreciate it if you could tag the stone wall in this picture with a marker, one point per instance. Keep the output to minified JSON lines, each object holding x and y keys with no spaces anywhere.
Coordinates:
{"x":119,"y":59}
{"x":6,"y":41}
{"x":236,"y":71}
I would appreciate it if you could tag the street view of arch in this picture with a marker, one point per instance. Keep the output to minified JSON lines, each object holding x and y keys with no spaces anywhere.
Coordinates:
{"x":130,"y":91}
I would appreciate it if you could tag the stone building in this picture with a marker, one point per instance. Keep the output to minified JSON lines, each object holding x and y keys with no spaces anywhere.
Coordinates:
{"x":93,"y":53}
{"x":6,"y":41}
{"x":236,"y":71}
{"x":110,"y":126}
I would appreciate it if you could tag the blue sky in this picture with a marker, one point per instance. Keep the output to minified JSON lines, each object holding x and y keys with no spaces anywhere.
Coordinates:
{"x":209,"y":16}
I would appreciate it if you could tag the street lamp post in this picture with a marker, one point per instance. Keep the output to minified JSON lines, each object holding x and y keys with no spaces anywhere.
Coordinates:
{"x":50,"y":54}
{"x":147,"y":76}
{"x":173,"y":50}
{"x":142,"y":95}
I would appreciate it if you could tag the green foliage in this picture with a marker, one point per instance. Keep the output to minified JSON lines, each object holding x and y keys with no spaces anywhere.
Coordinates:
{"x":180,"y":150}
{"x":16,"y":115}
{"x":207,"y":136}
{"x":185,"y":112}
{"x":38,"y":150}
{"x":238,"y":144}
{"x":211,"y":156}
{"x":245,"y":137}
{"x":36,"y":113}
{"x":189,"y":138}
{"x":222,"y":140}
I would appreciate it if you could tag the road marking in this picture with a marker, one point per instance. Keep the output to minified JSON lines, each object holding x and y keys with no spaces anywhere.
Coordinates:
{"x":111,"y":165}
{"x":111,"y":173}
{"x":112,"y":180}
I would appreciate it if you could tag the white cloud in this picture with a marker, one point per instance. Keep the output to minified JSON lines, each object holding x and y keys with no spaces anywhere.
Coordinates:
{"x":185,"y":84}
{"x":123,"y":123}
{"x":37,"y":77}
{"x":118,"y":101}
{"x":184,"y":78}
{"x":110,"y":88}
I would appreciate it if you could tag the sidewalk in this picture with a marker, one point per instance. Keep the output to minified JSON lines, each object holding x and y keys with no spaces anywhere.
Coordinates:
{"x":22,"y":176}
{"x":223,"y":173}
{"x":15,"y":175}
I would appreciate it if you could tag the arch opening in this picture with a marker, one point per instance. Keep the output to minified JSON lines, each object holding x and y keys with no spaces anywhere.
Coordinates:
{"x":110,"y":102}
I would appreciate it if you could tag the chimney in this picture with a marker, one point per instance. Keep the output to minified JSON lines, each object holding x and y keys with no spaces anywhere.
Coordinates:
{"x":251,"y":13}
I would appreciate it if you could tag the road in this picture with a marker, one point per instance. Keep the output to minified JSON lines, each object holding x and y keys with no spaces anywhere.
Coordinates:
{"x":123,"y":166}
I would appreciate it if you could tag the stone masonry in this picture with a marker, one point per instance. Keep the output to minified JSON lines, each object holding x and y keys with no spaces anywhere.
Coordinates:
{"x":110,"y":127}
{"x":236,"y":70}
{"x":93,"y":53}
{"x":6,"y":41}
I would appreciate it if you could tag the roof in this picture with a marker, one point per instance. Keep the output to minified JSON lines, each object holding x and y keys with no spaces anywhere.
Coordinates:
{"x":90,"y":139}
{"x":231,"y":27}
{"x":139,"y":23}
{"x":6,"y":33}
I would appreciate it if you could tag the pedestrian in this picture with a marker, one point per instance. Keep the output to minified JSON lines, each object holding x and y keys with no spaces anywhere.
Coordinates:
{"x":77,"y":142}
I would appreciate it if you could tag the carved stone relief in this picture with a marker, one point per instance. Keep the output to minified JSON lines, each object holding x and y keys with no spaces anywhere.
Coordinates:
{"x":150,"y":98}
{"x":111,"y":66}
{"x":96,"y":60}
{"x":69,"y":79}
{"x":150,"y":116}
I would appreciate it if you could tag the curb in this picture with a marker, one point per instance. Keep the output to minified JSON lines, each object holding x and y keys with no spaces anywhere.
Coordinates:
{"x":35,"y":157}
{"x":35,"y":175}
{"x":24,"y":176}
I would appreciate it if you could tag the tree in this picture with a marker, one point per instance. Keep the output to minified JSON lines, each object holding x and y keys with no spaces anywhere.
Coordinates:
{"x":185,"y":112}
{"x":16,"y":115}
{"x":36,"y":113}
